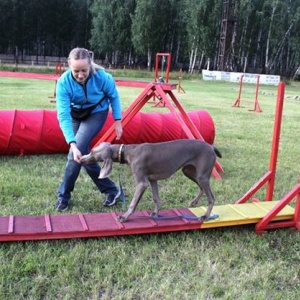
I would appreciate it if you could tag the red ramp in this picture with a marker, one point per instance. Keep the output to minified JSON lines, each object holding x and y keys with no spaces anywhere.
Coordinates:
{"x":65,"y":226}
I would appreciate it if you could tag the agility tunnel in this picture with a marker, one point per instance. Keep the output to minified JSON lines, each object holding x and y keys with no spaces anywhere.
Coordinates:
{"x":37,"y":131}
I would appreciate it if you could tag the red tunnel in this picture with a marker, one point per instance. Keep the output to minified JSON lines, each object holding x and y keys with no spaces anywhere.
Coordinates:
{"x":37,"y":131}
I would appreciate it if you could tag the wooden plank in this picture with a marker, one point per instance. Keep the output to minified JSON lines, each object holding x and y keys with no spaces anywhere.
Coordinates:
{"x":11,"y":224}
{"x":243,"y":214}
{"x":48,"y":223}
{"x":85,"y":226}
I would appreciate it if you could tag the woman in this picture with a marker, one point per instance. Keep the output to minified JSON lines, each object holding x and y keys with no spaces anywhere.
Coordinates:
{"x":84,"y":85}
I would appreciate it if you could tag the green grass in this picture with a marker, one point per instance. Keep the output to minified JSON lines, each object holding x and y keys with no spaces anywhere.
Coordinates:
{"x":225,"y":263}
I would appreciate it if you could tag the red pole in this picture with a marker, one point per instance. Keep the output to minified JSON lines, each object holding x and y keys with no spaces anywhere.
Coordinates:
{"x":58,"y":68}
{"x":256,"y":90}
{"x":256,"y":104}
{"x":238,"y":100}
{"x":275,"y":142}
{"x":297,"y":212}
{"x":156,"y":68}
{"x":179,"y":82}
{"x":168,"y":66}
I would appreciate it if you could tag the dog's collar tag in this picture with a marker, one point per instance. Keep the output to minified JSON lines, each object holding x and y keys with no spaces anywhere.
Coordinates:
{"x":121,"y":154}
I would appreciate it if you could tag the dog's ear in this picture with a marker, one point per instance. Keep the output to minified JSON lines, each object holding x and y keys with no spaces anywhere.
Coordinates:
{"x":107,"y":160}
{"x":106,"y":168}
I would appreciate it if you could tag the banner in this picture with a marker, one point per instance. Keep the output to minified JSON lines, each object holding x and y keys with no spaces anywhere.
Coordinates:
{"x":236,"y":77}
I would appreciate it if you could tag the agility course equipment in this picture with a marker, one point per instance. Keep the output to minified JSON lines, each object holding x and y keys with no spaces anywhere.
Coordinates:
{"x":269,"y":180}
{"x":164,"y":57}
{"x":37,"y":131}
{"x":256,"y":102}
{"x":58,"y":72}
{"x":69,"y":226}
{"x":180,"y":88}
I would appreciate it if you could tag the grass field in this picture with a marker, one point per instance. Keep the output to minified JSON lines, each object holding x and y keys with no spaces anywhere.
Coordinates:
{"x":224,"y":263}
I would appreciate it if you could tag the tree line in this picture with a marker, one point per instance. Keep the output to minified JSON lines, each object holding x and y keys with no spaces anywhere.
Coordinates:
{"x":262,"y":36}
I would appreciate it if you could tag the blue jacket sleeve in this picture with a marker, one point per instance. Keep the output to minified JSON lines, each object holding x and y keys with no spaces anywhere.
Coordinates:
{"x":63,"y":106}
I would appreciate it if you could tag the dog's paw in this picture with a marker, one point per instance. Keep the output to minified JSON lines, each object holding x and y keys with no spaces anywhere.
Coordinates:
{"x":204,"y":218}
{"x":154,"y":214}
{"x":121,"y":219}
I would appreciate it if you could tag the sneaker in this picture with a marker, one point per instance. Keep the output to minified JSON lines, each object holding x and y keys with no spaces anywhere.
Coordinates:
{"x":62,"y":205}
{"x":111,"y":199}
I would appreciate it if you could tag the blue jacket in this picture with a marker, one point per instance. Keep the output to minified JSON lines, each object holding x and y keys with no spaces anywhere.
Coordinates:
{"x":70,"y":93}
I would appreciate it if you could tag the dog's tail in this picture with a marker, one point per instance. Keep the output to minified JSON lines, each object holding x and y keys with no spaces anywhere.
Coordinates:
{"x":218,"y":153}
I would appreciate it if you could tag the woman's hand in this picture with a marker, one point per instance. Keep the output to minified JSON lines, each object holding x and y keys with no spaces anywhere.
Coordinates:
{"x":76,"y":153}
{"x":119,"y":129}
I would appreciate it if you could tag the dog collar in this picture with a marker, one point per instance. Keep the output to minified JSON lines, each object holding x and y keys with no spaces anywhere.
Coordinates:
{"x":121,"y":154}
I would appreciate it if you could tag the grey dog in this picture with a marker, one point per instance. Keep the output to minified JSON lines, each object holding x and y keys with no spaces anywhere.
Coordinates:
{"x":150,"y":162}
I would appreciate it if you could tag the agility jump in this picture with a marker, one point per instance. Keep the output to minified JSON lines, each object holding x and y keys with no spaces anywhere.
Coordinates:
{"x":237,"y":103}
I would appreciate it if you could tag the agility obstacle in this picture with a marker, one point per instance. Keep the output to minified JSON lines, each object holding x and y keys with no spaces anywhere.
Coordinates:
{"x":164,"y":57}
{"x":58,"y":72}
{"x":69,"y":226}
{"x":180,"y":88}
{"x":37,"y":131}
{"x":256,"y":102}
{"x":268,"y":180}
